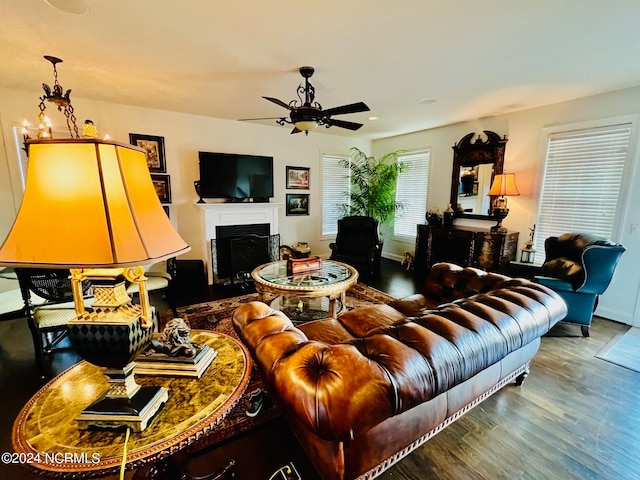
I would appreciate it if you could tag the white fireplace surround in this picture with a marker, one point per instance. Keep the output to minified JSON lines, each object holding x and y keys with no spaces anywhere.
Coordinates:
{"x":229,"y":214}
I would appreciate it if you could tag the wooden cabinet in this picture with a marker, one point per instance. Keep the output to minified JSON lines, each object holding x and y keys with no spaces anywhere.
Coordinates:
{"x":465,"y":246}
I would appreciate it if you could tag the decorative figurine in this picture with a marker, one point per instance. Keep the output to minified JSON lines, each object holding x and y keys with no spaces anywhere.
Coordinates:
{"x":528,"y":252}
{"x":174,"y":340}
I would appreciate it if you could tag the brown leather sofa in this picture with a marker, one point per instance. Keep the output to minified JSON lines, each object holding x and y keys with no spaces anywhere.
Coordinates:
{"x":365,"y":389}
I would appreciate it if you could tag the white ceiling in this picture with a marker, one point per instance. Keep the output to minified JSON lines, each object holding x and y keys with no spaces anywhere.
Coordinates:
{"x":217,"y":58}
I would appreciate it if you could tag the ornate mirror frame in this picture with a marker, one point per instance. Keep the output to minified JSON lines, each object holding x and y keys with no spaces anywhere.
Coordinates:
{"x":469,"y":157}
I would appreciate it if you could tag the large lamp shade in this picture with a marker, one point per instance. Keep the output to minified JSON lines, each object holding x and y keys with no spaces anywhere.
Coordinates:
{"x":504,"y":184}
{"x":89,"y":203}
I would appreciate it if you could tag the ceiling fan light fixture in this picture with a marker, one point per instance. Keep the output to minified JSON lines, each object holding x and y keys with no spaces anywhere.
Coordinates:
{"x":306,"y":125}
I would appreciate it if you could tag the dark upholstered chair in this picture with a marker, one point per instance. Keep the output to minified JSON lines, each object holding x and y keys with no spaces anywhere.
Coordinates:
{"x":579,"y":268}
{"x":47,"y":321}
{"x":357,"y":244}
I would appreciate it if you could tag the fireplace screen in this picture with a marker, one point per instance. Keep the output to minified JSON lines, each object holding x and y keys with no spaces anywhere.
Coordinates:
{"x":234,"y":258}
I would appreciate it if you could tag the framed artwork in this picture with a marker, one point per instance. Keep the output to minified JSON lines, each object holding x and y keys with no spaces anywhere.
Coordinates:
{"x":298,"y":178}
{"x":153,"y":149}
{"x":166,"y":210}
{"x":297,"y":204}
{"x":162,"y":184}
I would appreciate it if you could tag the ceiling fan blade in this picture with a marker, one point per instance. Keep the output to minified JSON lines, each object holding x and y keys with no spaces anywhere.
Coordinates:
{"x":258,"y":118}
{"x":343,"y":124}
{"x":278,"y":102}
{"x":351,"y":108}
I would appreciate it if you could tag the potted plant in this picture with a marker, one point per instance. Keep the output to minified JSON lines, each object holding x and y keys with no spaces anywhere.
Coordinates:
{"x":373,"y":185}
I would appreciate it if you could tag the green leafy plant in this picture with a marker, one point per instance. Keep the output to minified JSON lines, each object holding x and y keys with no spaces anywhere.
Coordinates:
{"x":373,"y":185}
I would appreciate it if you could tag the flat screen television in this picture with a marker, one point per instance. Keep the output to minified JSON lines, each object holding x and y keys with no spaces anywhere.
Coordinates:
{"x":235,"y":176}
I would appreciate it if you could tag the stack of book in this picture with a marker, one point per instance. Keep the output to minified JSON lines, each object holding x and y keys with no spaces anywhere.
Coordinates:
{"x":180,"y":366}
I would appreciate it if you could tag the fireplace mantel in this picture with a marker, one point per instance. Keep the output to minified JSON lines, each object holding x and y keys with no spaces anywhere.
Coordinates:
{"x":223,"y":214}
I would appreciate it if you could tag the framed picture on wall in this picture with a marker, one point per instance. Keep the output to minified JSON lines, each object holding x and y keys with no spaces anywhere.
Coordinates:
{"x":298,"y":178}
{"x":297,"y":204}
{"x":162,"y":184}
{"x":153,"y":149}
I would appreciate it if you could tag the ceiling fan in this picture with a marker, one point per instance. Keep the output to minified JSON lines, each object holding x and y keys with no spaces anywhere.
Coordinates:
{"x":309,"y":114}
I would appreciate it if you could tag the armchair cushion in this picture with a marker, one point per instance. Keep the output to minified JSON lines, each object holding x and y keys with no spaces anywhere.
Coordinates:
{"x":555,"y":284}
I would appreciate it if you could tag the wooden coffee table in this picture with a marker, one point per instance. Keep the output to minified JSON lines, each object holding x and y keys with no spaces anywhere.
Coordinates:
{"x":332,"y":281}
{"x":47,"y":435}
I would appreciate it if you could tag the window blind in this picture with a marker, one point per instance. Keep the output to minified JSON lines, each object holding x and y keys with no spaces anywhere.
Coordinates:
{"x":411,"y":190}
{"x":335,"y":190}
{"x":581,"y":183}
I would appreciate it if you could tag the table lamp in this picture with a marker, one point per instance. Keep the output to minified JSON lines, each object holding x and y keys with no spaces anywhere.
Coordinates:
{"x":89,"y":205}
{"x":504,"y":185}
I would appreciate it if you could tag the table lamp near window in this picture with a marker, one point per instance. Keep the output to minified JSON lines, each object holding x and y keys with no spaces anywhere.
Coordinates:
{"x":504,"y":185}
{"x":89,"y":205}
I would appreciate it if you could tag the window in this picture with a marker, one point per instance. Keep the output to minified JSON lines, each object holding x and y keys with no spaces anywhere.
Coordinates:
{"x":335,"y":190}
{"x":581,"y":183}
{"x":411,"y":190}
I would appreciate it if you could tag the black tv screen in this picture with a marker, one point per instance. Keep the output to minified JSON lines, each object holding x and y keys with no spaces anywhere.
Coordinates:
{"x":236,"y":176}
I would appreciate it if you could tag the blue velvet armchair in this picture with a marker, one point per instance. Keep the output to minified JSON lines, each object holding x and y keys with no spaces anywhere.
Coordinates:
{"x":579,"y":268}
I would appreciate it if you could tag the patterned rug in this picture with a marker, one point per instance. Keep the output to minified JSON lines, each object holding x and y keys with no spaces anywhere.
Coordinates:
{"x":216,"y":316}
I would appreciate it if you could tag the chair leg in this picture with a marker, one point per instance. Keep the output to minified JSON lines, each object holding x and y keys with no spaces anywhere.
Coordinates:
{"x":585,"y":331}
{"x":37,"y":346}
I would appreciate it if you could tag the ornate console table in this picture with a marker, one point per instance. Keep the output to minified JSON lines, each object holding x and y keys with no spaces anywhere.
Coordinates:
{"x":465,"y":246}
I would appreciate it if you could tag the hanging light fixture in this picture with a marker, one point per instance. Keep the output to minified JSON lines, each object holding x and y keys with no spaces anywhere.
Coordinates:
{"x":62,"y":101}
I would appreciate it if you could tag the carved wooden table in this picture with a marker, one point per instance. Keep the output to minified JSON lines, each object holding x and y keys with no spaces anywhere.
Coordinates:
{"x":46,"y":434}
{"x":331,"y":281}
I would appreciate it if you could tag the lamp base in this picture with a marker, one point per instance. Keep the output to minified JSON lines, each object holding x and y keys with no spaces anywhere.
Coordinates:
{"x":500,"y":213}
{"x":135,"y":412}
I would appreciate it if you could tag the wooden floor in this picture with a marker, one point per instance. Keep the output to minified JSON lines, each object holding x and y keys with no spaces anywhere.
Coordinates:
{"x":575,"y":417}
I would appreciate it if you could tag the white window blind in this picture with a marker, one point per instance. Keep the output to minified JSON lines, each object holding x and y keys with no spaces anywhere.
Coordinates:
{"x":411,"y":190}
{"x":581,"y":183}
{"x":335,"y":190}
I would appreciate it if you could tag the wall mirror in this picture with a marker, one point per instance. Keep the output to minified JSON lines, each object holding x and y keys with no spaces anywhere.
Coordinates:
{"x":474,"y":165}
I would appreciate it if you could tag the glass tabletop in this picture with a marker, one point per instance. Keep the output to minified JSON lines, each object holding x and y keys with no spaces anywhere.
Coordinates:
{"x":330,"y":273}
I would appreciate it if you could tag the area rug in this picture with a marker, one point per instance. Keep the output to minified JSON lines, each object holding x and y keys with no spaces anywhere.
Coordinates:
{"x":623,"y":350}
{"x":216,"y":315}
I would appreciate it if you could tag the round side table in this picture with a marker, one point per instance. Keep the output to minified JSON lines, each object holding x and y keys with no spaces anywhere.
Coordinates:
{"x":47,"y":435}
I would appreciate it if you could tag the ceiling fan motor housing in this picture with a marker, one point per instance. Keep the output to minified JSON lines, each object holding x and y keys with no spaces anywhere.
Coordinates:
{"x":306,"y":114}
{"x":306,"y":72}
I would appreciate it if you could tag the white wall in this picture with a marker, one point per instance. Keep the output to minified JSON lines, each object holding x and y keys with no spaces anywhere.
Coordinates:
{"x":524,"y":154}
{"x":184,"y":136}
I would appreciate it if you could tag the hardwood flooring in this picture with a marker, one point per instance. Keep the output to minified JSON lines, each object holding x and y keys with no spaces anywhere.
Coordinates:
{"x":575,"y":416}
